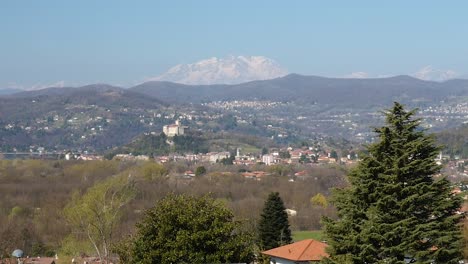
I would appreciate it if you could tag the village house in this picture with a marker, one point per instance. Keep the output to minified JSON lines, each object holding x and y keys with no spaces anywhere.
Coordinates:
{"x":268,"y":159}
{"x":214,"y":157}
{"x":255,"y":175}
{"x":302,"y":252}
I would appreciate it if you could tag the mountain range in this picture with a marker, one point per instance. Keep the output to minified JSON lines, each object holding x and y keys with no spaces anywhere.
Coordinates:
{"x":312,"y":89}
{"x":292,"y":87}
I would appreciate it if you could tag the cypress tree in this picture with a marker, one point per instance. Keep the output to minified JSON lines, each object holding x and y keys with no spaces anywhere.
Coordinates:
{"x":274,"y":225}
{"x":394,"y":210}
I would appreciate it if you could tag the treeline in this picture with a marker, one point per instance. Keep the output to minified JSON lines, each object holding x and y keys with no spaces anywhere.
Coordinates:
{"x":35,"y":194}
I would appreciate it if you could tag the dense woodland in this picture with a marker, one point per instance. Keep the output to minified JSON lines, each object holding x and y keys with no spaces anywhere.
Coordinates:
{"x":455,"y":141}
{"x":35,"y":194}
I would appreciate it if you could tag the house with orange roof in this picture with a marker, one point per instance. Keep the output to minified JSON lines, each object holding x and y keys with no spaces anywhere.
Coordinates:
{"x":302,"y":252}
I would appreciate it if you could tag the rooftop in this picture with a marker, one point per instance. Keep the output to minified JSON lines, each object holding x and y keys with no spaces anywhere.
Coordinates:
{"x":304,"y":250}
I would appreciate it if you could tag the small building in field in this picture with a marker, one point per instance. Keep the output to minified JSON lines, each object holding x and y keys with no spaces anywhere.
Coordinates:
{"x":302,"y":252}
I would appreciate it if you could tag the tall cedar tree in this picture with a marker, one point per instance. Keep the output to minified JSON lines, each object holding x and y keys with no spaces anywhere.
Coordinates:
{"x":394,"y":209}
{"x":274,"y":225}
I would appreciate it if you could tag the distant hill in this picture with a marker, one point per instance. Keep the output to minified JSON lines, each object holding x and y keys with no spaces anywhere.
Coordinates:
{"x":309,"y":89}
{"x":29,"y":104}
{"x":9,"y":91}
{"x":94,"y":117}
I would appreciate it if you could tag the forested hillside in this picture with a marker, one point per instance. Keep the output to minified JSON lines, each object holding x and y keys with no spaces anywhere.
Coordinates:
{"x":455,"y":141}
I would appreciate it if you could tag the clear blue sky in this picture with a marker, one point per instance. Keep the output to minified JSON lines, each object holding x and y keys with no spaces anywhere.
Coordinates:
{"x":124,"y":42}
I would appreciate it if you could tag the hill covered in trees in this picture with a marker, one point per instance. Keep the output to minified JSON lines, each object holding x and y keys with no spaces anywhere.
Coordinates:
{"x":157,"y":145}
{"x":455,"y":141}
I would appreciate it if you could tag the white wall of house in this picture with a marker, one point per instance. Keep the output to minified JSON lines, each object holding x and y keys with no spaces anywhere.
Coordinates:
{"x":276,"y":260}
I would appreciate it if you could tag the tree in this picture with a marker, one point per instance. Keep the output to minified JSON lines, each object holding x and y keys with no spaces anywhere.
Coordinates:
{"x":152,"y":171}
{"x":96,"y":213}
{"x":284,"y":154}
{"x":186,"y":229}
{"x":304,"y":159}
{"x":273,"y":227}
{"x":200,"y":170}
{"x":228,"y":161}
{"x":394,"y":209}
{"x":319,"y":200}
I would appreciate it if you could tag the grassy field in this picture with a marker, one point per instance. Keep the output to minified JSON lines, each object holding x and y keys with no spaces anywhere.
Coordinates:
{"x":300,"y":235}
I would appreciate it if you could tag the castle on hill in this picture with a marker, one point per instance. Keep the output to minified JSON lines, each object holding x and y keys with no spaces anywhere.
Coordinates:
{"x":174,"y":129}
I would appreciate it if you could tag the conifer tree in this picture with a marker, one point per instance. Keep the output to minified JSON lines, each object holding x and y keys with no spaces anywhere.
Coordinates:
{"x":274,"y":225}
{"x":395,"y":211}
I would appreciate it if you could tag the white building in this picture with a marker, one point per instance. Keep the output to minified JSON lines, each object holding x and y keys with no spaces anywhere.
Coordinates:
{"x":174,"y":130}
{"x":268,"y":159}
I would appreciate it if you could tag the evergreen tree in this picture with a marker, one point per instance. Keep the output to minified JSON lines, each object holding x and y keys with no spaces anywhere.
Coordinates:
{"x":186,"y":229}
{"x":200,"y":170}
{"x":274,"y":225}
{"x":394,"y":209}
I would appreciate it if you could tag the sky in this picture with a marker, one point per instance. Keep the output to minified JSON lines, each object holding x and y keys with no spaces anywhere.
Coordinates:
{"x":72,"y":43}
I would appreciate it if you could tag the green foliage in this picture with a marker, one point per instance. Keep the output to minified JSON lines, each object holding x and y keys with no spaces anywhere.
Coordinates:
{"x":17,"y":211}
{"x":185,"y":229}
{"x":280,"y":170}
{"x":304,"y":159}
{"x":73,"y":246}
{"x":40,"y":249}
{"x":227,"y":161}
{"x":455,"y":141}
{"x":273,"y":227}
{"x":319,"y":200}
{"x":200,"y":170}
{"x":301,"y":235}
{"x":154,"y":145}
{"x":284,"y":154}
{"x":189,"y":143}
{"x":97,"y":212}
{"x":228,"y":122}
{"x":394,"y":208}
{"x":151,"y":171}
{"x":123,"y":249}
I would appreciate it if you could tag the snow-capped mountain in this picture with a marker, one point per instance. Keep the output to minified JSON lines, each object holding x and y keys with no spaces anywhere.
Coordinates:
{"x":428,"y":73}
{"x":229,"y":70}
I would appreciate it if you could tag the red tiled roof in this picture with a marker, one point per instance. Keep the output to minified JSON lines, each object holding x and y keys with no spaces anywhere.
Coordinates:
{"x":39,"y":260}
{"x":304,"y":250}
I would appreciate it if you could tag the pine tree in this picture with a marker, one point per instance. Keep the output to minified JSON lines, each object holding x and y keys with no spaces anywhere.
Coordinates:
{"x":274,"y":225}
{"x":394,"y":209}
